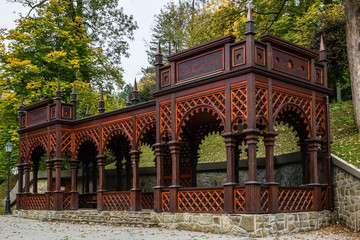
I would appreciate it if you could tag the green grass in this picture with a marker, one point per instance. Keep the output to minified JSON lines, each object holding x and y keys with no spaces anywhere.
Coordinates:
{"x":3,"y":186}
{"x":344,"y":133}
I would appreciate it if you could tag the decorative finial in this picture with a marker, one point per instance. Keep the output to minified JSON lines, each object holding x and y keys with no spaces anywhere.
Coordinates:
{"x":128,"y":101}
{"x":249,"y":14}
{"x":58,"y":92}
{"x":101,"y":103}
{"x":322,"y":45}
{"x":87,"y":114}
{"x":21,"y":107}
{"x":73,"y":89}
{"x":135,"y":94}
{"x":158,"y":51}
{"x":249,"y":25}
{"x":323,"y":52}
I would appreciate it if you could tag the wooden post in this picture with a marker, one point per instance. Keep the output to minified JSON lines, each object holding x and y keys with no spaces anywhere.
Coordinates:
{"x":74,"y":198}
{"x":49,"y":169}
{"x":269,"y":142}
{"x":314,"y":180}
{"x":231,"y":181}
{"x":252,"y":186}
{"x":101,"y":186}
{"x":135,"y":191}
{"x":159,"y":154}
{"x":27,"y":168}
{"x":175,"y":148}
{"x":20,"y":186}
{"x":58,"y":194}
{"x":304,"y":162}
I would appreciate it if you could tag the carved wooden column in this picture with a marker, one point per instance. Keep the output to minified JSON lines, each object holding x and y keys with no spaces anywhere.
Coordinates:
{"x":135,"y":190}
{"x":252,"y":186}
{"x":269,"y":142}
{"x":326,"y":170}
{"x":314,"y":179}
{"x":49,"y":170}
{"x":159,"y":154}
{"x":175,"y":148}
{"x":101,"y":186}
{"x":74,"y":194}
{"x":231,"y":181}
{"x":19,"y":195}
{"x":58,"y":194}
{"x":27,"y":168}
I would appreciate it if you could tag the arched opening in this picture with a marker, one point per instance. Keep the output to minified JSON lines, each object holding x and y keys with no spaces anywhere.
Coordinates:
{"x":118,"y":160}
{"x":292,"y":128}
{"x":38,"y":158}
{"x":198,"y":124}
{"x":87,"y":153}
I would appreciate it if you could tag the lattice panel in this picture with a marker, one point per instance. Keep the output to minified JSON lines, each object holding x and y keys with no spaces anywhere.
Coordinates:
{"x":239,"y":102}
{"x":22,"y":147}
{"x":147,"y":200}
{"x":21,"y":202}
{"x":52,"y":142}
{"x":35,"y":141}
{"x":201,"y":200}
{"x":165,"y":120}
{"x":295,"y":200}
{"x":323,"y":198}
{"x":93,"y":132}
{"x":165,"y":200}
{"x":239,"y":201}
{"x":261,"y":102}
{"x":116,"y":201}
{"x":109,"y":130}
{"x":36,"y":202}
{"x":264,"y":200}
{"x":66,"y":142}
{"x":66,"y":201}
{"x":142,"y":123}
{"x":51,"y":202}
{"x":216,"y":100}
{"x":320,"y":118}
{"x":280,"y":98}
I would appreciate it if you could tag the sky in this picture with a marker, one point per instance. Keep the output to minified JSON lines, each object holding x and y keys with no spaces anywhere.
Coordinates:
{"x":143,"y":12}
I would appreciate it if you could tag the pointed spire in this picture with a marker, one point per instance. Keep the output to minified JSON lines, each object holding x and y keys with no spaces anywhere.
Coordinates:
{"x":87,"y":114}
{"x":73,"y":89}
{"x":101,"y":103}
{"x":322,"y":52}
{"x":135,"y":94}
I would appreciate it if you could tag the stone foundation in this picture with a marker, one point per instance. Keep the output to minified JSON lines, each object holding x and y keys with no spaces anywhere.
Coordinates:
{"x":250,"y":225}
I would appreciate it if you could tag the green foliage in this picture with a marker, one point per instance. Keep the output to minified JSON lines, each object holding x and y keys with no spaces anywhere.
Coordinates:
{"x":212,"y":149}
{"x":146,"y":84}
{"x":147,"y":156}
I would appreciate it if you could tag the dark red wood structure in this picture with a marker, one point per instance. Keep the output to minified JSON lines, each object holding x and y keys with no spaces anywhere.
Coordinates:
{"x":238,"y":89}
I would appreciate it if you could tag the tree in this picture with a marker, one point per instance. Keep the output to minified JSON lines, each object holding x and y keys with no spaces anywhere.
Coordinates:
{"x":146,"y":85}
{"x":352,"y":16}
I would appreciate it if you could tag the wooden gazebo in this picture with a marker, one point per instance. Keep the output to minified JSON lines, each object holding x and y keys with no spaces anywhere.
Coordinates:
{"x":238,"y":89}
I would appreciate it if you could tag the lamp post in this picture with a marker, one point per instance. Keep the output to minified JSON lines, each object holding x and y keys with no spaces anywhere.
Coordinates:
{"x":8,"y":148}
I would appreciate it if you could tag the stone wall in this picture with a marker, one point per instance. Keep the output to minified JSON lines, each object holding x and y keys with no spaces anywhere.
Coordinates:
{"x":346,"y":185}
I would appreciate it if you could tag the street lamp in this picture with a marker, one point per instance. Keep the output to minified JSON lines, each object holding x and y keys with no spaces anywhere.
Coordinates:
{"x":8,"y":148}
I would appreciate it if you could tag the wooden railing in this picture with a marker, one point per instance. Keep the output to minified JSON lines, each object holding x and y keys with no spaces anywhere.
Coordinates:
{"x":239,"y":200}
{"x":201,"y":200}
{"x":264,"y":197}
{"x":66,"y":201}
{"x":147,"y":200}
{"x":116,"y":201}
{"x":165,"y":201}
{"x":35,"y":201}
{"x":87,"y":200}
{"x":295,"y":199}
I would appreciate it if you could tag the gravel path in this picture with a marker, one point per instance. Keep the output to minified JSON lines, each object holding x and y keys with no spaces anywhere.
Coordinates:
{"x":18,"y":228}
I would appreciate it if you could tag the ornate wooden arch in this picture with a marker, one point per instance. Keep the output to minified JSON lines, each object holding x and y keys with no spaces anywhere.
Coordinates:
{"x":294,"y":108}
{"x":116,"y":132}
{"x":84,"y":139}
{"x":191,"y":112}
{"x":38,"y":143}
{"x":149,"y":126}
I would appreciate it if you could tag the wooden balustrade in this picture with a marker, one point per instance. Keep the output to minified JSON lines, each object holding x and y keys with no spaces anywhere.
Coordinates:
{"x":295,"y":199}
{"x":116,"y":201}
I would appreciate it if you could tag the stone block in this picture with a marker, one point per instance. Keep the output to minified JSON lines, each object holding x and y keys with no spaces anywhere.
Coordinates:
{"x":185,"y":226}
{"x":179,"y":217}
{"x":197,"y":227}
{"x":226,"y":224}
{"x":248,"y":223}
{"x":212,"y":229}
{"x":205,"y":219}
{"x":169,"y":218}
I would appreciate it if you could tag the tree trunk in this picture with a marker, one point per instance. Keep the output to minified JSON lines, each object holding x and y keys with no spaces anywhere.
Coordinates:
{"x":352,"y":15}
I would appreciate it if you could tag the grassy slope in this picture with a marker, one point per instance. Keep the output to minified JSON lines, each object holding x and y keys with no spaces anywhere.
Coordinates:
{"x":344,"y":134}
